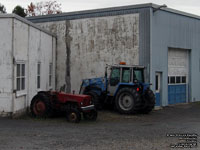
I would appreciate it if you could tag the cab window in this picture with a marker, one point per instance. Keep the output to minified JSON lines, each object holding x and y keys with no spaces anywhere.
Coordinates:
{"x":138,"y":75}
{"x":126,"y":75}
{"x":115,"y":76}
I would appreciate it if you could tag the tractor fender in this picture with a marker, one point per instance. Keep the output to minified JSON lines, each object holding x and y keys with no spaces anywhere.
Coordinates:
{"x":94,"y":89}
{"x":122,"y":85}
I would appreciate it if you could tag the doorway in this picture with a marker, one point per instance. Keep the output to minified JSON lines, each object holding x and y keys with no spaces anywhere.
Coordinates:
{"x":158,"y":88}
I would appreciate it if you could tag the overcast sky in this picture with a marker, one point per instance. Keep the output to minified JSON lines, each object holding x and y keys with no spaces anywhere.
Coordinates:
{"x":191,"y":6}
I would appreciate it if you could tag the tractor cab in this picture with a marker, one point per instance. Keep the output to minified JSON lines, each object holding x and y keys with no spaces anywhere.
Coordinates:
{"x":123,"y":75}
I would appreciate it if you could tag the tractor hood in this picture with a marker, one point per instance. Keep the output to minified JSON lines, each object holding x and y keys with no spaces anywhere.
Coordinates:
{"x":98,"y":83}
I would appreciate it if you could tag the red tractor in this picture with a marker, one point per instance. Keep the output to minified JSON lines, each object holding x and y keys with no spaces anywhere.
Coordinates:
{"x":47,"y":103}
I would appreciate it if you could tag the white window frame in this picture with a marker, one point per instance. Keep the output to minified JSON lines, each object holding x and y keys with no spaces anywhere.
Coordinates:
{"x":39,"y":75}
{"x":20,"y":78}
{"x":158,"y":75}
{"x":181,"y":83}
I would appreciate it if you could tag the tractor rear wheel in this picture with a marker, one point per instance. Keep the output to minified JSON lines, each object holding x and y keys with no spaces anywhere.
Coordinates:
{"x":40,"y":106}
{"x":148,"y":102}
{"x":73,"y":115}
{"x":127,"y":101}
{"x":92,"y":115}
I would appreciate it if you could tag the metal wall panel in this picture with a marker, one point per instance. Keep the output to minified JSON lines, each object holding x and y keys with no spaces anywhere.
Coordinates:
{"x":170,"y":30}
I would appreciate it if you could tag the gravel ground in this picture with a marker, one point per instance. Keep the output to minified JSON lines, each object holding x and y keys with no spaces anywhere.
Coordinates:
{"x":111,"y":131}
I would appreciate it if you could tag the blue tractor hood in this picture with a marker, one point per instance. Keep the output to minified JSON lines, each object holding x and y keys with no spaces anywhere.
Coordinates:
{"x":97,"y":84}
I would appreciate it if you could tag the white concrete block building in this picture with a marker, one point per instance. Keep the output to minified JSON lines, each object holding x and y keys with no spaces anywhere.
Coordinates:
{"x":27,"y":63}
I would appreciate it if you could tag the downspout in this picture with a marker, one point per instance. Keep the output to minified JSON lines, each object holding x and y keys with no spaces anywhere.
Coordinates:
{"x":56,"y":61}
{"x":150,"y":30}
{"x":28,"y":63}
{"x":13,"y":71}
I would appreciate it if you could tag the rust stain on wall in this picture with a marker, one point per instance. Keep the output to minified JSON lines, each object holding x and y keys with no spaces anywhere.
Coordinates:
{"x":68,"y":40}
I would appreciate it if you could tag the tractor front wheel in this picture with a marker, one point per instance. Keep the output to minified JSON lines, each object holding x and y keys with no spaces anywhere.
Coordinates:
{"x":91,"y":115}
{"x":73,"y":115}
{"x":127,"y":100}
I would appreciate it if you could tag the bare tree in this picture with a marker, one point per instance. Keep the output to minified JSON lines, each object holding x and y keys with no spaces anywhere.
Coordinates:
{"x":44,"y":8}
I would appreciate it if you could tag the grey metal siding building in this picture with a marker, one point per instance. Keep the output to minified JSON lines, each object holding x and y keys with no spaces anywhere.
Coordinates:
{"x":164,"y":40}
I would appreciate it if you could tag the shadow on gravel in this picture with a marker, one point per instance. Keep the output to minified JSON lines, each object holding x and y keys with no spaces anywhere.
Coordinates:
{"x":166,"y":113}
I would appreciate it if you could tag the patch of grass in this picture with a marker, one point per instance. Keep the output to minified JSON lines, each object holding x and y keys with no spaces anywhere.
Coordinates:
{"x":198,"y":103}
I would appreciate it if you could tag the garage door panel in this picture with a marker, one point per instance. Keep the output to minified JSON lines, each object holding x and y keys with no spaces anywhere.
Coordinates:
{"x":176,"y":94}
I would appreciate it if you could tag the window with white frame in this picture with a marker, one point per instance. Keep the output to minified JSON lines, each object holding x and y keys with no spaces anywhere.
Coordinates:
{"x":20,"y":77}
{"x":50,"y":74}
{"x":38,"y":74}
{"x":176,"y":79}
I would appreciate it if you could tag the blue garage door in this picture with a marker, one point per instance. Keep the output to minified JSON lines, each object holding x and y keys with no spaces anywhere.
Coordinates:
{"x":177,"y":94}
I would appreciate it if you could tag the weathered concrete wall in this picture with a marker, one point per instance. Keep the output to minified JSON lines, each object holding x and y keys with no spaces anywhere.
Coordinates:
{"x":22,"y":43}
{"x":99,"y":41}
{"x":85,"y":46}
{"x":5,"y":65}
{"x":59,"y":29}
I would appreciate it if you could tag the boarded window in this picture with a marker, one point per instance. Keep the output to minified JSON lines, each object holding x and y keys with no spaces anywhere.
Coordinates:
{"x":38,"y":74}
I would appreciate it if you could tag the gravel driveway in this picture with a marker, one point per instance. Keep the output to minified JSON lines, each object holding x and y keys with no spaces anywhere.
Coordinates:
{"x":111,"y":131}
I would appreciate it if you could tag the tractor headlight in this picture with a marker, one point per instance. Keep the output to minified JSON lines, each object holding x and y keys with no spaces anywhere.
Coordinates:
{"x":81,"y":103}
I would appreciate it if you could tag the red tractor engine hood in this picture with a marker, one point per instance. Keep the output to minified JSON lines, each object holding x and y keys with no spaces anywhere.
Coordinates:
{"x":82,"y":100}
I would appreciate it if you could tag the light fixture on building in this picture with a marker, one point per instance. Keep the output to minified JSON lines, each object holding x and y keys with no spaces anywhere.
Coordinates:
{"x":158,"y":8}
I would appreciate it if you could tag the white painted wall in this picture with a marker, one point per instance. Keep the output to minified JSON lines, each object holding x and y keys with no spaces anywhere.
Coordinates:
{"x":5,"y":65}
{"x":41,"y":49}
{"x":59,"y":29}
{"x":30,"y":45}
{"x":21,"y":42}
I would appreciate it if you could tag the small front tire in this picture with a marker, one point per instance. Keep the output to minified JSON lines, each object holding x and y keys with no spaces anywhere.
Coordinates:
{"x":73,"y":116}
{"x":92,"y":115}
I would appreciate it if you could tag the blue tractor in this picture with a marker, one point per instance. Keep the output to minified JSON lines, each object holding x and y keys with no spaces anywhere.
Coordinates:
{"x":122,"y":87}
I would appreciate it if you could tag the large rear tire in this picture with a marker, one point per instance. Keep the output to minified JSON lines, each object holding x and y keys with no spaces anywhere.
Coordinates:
{"x":127,"y":101}
{"x":148,"y":102}
{"x":40,"y":106}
